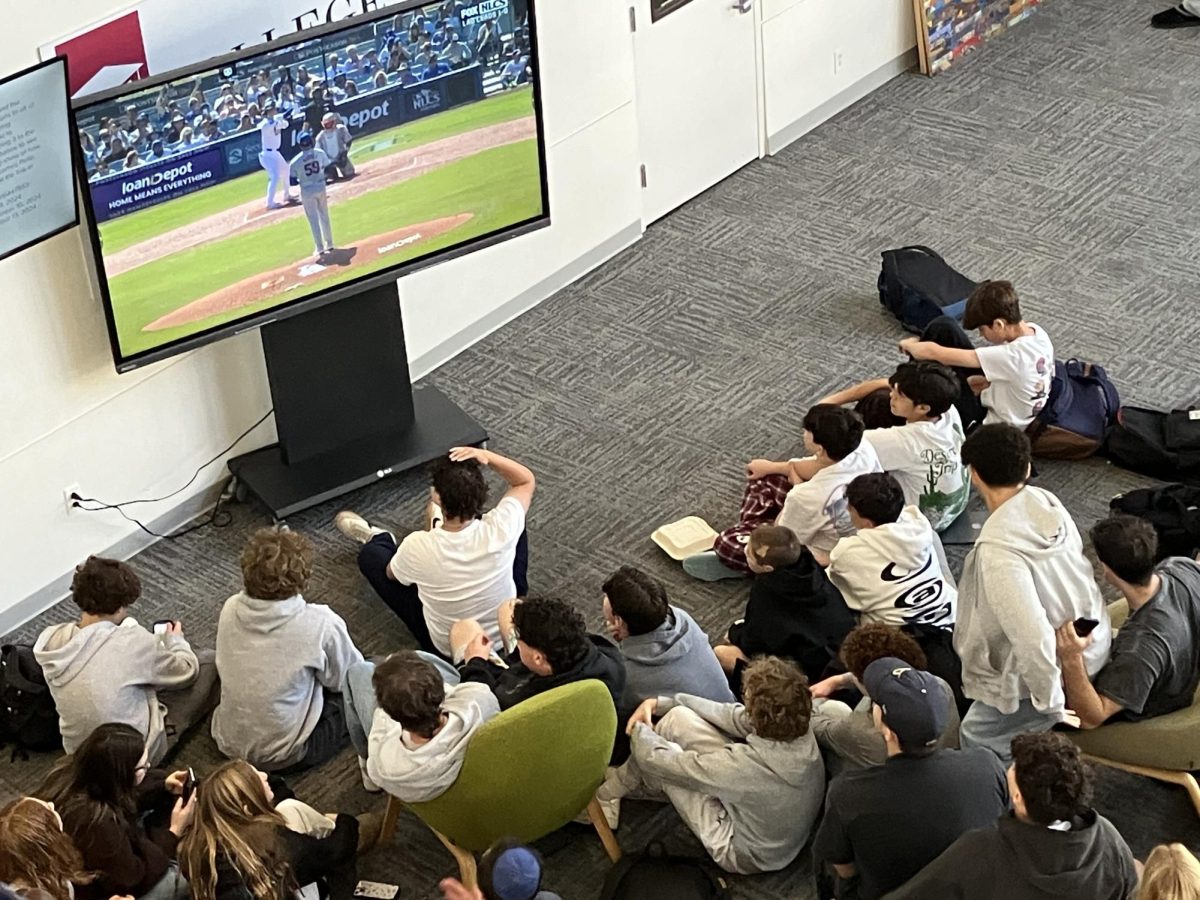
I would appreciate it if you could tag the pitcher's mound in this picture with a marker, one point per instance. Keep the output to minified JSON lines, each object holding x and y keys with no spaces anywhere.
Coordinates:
{"x":278,"y":283}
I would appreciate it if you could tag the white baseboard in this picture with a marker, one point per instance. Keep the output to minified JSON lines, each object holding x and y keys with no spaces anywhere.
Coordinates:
{"x":834,"y":105}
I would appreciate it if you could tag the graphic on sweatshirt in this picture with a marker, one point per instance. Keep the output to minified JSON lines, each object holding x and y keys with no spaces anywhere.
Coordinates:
{"x":938,"y":506}
{"x":921,"y":601}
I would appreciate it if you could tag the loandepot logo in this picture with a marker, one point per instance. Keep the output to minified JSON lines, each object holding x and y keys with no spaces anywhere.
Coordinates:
{"x":107,"y":56}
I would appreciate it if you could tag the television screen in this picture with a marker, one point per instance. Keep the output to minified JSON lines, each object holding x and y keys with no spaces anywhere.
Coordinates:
{"x":229,"y":194}
{"x":37,"y":195}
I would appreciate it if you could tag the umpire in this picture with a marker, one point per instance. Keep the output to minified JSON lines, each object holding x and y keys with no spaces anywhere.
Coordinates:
{"x":334,"y":139}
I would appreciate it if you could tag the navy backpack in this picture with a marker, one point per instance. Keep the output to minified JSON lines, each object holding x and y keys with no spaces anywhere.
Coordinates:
{"x":1082,"y":407}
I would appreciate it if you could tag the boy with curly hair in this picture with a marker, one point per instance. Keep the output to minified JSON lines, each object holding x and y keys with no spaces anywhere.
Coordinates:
{"x":746,"y":778}
{"x":282,"y":661}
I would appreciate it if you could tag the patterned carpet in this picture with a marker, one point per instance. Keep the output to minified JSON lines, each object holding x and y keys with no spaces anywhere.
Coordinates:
{"x":1066,"y":156}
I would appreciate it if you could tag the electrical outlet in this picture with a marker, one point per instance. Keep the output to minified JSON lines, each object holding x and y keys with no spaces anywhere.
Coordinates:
{"x":838,"y":61}
{"x":68,"y":500}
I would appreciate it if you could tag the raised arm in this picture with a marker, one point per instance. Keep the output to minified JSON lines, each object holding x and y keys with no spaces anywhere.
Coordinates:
{"x":947,"y":356}
{"x":521,"y":483}
{"x":857,"y":392}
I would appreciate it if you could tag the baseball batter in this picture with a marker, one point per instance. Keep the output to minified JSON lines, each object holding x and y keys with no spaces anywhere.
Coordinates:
{"x":308,"y":168}
{"x":270,"y":158}
{"x":334,"y":139}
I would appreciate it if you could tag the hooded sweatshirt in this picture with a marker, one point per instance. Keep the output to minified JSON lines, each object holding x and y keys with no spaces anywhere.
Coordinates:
{"x":675,"y":658}
{"x":415,"y":773}
{"x":895,"y":573}
{"x":770,"y":791}
{"x":1025,"y":861}
{"x":275,"y":658}
{"x":515,"y":683}
{"x":107,"y":672}
{"x":1025,"y":577}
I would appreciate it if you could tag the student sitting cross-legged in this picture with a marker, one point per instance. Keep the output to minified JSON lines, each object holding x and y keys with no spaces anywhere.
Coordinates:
{"x":923,"y":453}
{"x":282,"y":661}
{"x":806,"y":495}
{"x":947,"y":791}
{"x":1155,"y":663}
{"x":747,"y":779}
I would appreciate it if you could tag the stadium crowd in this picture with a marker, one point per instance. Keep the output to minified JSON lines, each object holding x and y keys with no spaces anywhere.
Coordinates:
{"x":914,"y":727}
{"x":410,"y":48}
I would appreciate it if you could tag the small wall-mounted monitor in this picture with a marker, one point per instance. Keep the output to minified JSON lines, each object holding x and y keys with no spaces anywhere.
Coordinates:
{"x":250,"y":187}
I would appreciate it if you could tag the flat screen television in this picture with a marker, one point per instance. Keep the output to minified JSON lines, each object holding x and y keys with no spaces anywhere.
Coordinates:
{"x":247,"y":188}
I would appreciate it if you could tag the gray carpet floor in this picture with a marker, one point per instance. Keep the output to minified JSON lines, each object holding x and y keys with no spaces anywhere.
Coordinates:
{"x":1064,"y":156}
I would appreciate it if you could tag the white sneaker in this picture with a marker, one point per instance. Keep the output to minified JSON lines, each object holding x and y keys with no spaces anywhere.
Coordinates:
{"x":354,"y":526}
{"x":611,"y":810}
{"x":368,"y":785}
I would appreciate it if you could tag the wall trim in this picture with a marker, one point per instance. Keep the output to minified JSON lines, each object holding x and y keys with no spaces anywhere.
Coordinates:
{"x":525,"y":301}
{"x":127,"y":547}
{"x":903,"y":63}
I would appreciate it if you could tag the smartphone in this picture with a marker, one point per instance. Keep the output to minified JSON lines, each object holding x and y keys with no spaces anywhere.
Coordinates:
{"x":189,"y":786}
{"x":376,"y":889}
{"x":1084,"y":627}
{"x":161,"y":626}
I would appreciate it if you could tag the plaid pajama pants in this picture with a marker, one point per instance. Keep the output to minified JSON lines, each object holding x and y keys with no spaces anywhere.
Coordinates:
{"x":761,"y":504}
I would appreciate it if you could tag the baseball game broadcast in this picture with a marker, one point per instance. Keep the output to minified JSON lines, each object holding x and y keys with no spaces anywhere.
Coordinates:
{"x":278,"y":175}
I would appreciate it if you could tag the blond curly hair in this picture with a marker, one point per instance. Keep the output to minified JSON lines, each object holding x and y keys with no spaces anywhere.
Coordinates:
{"x":777,"y":699}
{"x":276,"y":564}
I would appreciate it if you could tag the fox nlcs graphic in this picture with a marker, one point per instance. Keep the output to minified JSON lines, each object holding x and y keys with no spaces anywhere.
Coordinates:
{"x":106,"y":56}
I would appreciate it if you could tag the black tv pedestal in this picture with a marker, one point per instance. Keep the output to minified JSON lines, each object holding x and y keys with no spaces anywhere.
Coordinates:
{"x":345,"y":409}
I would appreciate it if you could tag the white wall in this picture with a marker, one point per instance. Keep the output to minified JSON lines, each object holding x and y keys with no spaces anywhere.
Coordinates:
{"x":69,"y":419}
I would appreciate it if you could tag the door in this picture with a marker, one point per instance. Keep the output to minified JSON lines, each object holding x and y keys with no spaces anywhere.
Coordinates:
{"x":697,"y":96}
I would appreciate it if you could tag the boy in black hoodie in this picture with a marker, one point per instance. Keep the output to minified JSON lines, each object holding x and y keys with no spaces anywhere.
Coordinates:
{"x":793,"y":611}
{"x":1052,"y":845}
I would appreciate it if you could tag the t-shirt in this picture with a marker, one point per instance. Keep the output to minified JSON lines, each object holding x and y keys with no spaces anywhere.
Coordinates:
{"x":924,"y":457}
{"x":817,"y":510}
{"x":1155,"y":663}
{"x":890,"y":821}
{"x":1020,"y":373}
{"x":463,"y":574}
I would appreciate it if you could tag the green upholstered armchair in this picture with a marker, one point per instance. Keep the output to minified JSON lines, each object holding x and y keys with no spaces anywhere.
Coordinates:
{"x":527,"y":772}
{"x":1166,"y":747}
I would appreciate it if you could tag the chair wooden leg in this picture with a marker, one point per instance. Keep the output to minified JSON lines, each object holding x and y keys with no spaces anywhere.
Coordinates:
{"x":389,"y":820}
{"x":607,"y":838}
{"x":465,"y":859}
{"x":1184,"y":779}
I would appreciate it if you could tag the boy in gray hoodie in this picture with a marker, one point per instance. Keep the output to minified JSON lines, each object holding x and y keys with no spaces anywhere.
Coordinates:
{"x":107,"y":668}
{"x":665,"y":651}
{"x":748,"y":780}
{"x":1025,"y":578}
{"x":282,"y":661}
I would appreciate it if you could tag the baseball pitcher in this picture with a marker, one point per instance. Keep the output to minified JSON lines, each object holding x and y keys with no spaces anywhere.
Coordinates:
{"x":270,"y":158}
{"x":308,"y":168}
{"x":334,"y":140}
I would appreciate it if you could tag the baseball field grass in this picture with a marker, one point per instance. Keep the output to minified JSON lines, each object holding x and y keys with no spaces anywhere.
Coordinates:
{"x":149,"y":223}
{"x":509,"y":172}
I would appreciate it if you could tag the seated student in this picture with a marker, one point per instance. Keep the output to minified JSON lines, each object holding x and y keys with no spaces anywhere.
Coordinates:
{"x":466,"y":564}
{"x":1155,"y":663}
{"x":102,"y":792}
{"x":107,"y":668}
{"x":282,"y":661}
{"x":849,"y":737}
{"x":747,"y":780}
{"x":1006,"y":382}
{"x":664,"y":650}
{"x":553,"y":648}
{"x":805,"y":495}
{"x":1171,"y":873}
{"x":35,"y":853}
{"x":793,"y":610}
{"x":1025,"y":577}
{"x":948,"y":792}
{"x":923,"y":454}
{"x":508,"y":870}
{"x":410,"y":729}
{"x":1053,"y":844}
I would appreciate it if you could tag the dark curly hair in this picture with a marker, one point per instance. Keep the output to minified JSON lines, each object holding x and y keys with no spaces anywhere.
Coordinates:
{"x":1055,"y":782}
{"x":777,"y":699}
{"x":411,"y":691}
{"x":555,"y":629}
{"x":639,"y":599}
{"x":873,"y":640}
{"x":276,"y":564}
{"x":927,"y":383}
{"x":461,"y":486}
{"x":103,"y":586}
{"x":836,"y":429}
{"x":999,"y":453}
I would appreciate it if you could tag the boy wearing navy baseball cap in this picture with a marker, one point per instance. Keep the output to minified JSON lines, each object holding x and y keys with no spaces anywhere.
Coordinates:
{"x":948,"y":792}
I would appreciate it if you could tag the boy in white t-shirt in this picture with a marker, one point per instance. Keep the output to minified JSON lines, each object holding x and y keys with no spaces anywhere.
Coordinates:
{"x":466,"y":564}
{"x":923,"y":454}
{"x":1006,"y":382}
{"x":806,"y":495}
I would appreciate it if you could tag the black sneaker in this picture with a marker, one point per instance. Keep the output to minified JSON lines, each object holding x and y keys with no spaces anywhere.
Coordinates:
{"x":1175,"y":17}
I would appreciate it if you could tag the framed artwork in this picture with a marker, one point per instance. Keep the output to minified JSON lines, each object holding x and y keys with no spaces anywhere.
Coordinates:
{"x":949,"y":29}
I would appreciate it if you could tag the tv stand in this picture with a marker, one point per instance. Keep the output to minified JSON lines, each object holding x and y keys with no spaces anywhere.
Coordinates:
{"x":346,"y":412}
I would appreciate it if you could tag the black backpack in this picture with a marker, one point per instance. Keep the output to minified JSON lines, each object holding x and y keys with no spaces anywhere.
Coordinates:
{"x":28,"y":718}
{"x":654,"y":874}
{"x":916,"y":285}
{"x":1173,"y":510}
{"x":1161,"y":445}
